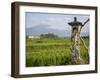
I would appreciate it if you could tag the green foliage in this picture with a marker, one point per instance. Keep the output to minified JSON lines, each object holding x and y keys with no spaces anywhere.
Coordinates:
{"x":48,"y":35}
{"x":50,"y":52}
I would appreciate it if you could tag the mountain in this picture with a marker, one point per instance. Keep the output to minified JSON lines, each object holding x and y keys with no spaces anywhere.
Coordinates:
{"x":44,"y":29}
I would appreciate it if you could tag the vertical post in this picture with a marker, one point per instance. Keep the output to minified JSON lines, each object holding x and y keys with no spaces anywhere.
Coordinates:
{"x":75,"y":39}
{"x":75,"y":43}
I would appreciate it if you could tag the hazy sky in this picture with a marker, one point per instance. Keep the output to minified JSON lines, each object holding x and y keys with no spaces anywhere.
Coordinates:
{"x":55,"y":21}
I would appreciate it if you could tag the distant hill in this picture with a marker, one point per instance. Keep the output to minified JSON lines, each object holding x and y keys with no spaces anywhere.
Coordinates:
{"x":44,"y":29}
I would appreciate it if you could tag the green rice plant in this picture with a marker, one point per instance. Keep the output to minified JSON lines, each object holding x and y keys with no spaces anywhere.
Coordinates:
{"x":51,"y":52}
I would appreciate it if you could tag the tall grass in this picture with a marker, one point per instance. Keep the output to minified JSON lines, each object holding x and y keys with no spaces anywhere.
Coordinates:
{"x":50,"y":52}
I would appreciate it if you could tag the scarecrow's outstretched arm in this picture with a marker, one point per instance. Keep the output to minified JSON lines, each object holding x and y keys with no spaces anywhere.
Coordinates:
{"x":83,"y":42}
{"x":84,"y":23}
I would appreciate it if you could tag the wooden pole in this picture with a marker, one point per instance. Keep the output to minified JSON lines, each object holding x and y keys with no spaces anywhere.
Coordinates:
{"x":75,"y":39}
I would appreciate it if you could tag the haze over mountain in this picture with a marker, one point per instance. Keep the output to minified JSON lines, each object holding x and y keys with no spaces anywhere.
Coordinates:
{"x":44,"y":29}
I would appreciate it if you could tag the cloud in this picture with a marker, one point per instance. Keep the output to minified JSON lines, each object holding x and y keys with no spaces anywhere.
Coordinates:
{"x":55,"y":21}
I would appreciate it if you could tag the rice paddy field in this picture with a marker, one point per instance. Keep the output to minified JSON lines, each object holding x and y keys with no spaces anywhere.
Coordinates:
{"x":52,"y":52}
